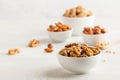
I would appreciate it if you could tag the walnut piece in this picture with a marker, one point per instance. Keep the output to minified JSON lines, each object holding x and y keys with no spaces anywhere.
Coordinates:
{"x":34,"y":43}
{"x":13,"y":51}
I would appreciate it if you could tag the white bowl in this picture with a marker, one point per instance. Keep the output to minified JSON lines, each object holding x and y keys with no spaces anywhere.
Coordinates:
{"x":78,"y":24}
{"x":60,"y":36}
{"x":92,"y":40}
{"x":79,"y":65}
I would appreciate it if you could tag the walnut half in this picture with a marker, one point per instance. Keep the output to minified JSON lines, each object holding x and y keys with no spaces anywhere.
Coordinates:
{"x":34,"y":43}
{"x":13,"y":51}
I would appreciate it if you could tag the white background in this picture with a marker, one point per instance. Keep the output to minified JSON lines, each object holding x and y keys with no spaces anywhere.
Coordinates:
{"x":53,"y":8}
{"x":23,"y":20}
{"x":105,"y":10}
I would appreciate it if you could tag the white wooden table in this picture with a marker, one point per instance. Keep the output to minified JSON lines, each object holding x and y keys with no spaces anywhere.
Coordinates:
{"x":35,"y":64}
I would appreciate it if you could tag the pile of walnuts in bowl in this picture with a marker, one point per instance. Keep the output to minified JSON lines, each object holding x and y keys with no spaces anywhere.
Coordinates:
{"x":77,"y":50}
{"x":59,"y":27}
{"x":78,"y":11}
{"x":94,"y":30}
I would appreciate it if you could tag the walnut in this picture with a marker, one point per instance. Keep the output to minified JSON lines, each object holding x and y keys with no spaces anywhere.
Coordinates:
{"x":89,"y":52}
{"x":71,"y":44}
{"x":84,"y":46}
{"x":77,"y":50}
{"x":95,"y":50}
{"x":13,"y":51}
{"x":34,"y":43}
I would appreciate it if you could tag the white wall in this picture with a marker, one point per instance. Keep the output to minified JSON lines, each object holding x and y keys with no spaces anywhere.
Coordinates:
{"x":20,"y":9}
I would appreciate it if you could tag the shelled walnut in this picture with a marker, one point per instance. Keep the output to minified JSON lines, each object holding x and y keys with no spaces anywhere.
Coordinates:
{"x":13,"y":51}
{"x":77,"y":50}
{"x":34,"y":43}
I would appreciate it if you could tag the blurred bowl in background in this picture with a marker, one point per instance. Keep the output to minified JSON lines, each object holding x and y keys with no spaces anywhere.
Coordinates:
{"x":60,"y":36}
{"x":79,"y":23}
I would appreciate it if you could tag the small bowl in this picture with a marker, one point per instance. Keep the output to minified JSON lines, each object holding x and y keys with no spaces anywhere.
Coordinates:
{"x":60,"y":36}
{"x":92,"y":40}
{"x":78,"y":24}
{"x":79,"y":65}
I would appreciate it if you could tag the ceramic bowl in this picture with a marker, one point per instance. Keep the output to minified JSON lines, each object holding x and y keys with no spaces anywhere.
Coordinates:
{"x":60,"y":36}
{"x":78,"y":23}
{"x":92,"y":40}
{"x":79,"y":65}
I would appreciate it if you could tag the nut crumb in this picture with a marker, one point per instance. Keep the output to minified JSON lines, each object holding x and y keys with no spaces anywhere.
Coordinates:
{"x":104,"y":60}
{"x":110,"y":51}
{"x":114,"y":52}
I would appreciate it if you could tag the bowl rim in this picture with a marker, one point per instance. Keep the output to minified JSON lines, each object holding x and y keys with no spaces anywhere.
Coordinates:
{"x":93,"y":34}
{"x":78,"y":17}
{"x":62,"y":31}
{"x":81,"y":57}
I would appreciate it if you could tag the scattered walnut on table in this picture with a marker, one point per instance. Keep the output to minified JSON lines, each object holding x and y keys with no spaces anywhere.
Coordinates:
{"x":13,"y":51}
{"x":34,"y":43}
